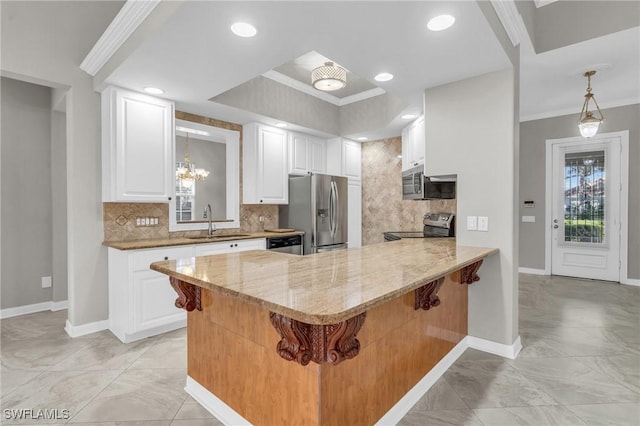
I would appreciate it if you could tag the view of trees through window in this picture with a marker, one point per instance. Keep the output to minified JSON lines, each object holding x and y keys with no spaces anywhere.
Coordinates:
{"x":584,"y":197}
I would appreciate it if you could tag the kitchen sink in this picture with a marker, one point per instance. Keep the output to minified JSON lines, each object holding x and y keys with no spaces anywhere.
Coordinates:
{"x":217,"y":237}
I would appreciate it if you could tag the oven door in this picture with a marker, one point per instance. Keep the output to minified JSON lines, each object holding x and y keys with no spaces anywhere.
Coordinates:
{"x":412,"y":184}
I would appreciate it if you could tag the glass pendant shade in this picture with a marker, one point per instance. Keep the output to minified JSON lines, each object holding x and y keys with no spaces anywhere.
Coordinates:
{"x":589,"y":127}
{"x":329,"y":77}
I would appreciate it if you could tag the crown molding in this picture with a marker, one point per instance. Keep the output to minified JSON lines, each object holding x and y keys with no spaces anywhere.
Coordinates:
{"x":576,"y":111}
{"x":309,"y":90}
{"x":132,"y":14}
{"x":510,"y":19}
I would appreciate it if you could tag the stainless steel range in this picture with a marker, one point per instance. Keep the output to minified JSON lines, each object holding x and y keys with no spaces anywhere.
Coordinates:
{"x":436,"y":225}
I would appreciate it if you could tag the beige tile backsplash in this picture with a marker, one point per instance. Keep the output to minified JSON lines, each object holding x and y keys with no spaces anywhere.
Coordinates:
{"x":383,"y":208}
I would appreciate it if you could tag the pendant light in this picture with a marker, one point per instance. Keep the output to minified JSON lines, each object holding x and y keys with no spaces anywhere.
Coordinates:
{"x":588,"y":123}
{"x":187,"y":173}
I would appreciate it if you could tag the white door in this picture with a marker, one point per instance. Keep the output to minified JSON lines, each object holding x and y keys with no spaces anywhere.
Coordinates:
{"x":586,"y":177}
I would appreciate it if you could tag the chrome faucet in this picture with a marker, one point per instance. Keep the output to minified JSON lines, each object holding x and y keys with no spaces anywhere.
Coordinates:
{"x":207,"y":214}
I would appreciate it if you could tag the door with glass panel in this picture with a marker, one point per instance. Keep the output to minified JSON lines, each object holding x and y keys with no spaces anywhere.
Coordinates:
{"x":586,"y":209}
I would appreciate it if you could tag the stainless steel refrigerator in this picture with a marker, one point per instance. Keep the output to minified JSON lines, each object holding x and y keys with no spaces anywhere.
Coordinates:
{"x":317,"y":206}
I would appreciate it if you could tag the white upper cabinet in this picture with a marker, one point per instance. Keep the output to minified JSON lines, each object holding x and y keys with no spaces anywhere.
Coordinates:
{"x":137,"y":141}
{"x":413,"y":144}
{"x":307,"y":154}
{"x":344,"y":158}
{"x":264,"y":165}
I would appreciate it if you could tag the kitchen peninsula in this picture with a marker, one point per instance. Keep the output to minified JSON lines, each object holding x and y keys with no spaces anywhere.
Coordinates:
{"x":330,"y":338}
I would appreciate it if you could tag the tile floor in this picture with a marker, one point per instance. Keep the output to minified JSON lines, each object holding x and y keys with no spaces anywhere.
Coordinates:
{"x":580,"y":366}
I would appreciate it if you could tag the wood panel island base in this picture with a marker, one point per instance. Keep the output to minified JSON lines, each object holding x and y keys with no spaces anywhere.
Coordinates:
{"x":329,"y":339}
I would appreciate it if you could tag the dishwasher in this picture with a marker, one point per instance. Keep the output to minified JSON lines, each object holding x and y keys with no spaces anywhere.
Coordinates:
{"x":292,"y":244}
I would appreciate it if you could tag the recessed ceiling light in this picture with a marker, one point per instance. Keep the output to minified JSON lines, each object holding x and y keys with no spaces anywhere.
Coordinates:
{"x":243,"y":29}
{"x":441,"y":22}
{"x":190,"y":130}
{"x":281,"y":124}
{"x":408,"y":116}
{"x":384,"y":76}
{"x":363,"y":138}
{"x":153,"y":90}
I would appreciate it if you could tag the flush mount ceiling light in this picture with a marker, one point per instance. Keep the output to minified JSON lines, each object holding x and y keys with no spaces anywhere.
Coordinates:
{"x":329,"y":77}
{"x":243,"y":29}
{"x":441,"y":22}
{"x":153,"y":90}
{"x":384,"y":76}
{"x":363,"y":138}
{"x":408,"y":116}
{"x":588,"y":123}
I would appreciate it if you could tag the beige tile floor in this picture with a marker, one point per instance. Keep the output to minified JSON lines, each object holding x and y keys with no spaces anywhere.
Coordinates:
{"x":580,"y":366}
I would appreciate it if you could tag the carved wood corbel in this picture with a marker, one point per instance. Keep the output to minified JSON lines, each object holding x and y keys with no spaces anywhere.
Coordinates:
{"x":426,"y":296}
{"x":189,"y":295}
{"x":303,"y":343}
{"x":469,"y":274}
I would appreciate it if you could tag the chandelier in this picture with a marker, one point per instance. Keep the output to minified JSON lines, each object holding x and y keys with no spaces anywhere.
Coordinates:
{"x":329,"y":77}
{"x":186,"y":171}
{"x":588,"y":123}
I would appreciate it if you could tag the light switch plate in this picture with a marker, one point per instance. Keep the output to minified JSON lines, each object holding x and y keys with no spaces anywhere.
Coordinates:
{"x":472,"y":223}
{"x":483,"y":223}
{"x":528,"y":218}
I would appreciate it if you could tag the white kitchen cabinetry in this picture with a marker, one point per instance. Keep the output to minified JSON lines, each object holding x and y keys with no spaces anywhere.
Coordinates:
{"x":355,"y":213}
{"x":344,"y":158}
{"x":264,"y":165}
{"x":413,"y":144}
{"x":307,"y":154}
{"x":141,"y":301}
{"x":231,"y":246}
{"x":137,"y":147}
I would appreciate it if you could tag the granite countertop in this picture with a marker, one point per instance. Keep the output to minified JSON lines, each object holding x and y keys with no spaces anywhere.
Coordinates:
{"x":183,"y":241}
{"x":326,"y":288}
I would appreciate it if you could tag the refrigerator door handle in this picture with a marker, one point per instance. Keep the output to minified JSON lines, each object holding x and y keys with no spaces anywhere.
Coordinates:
{"x":336,"y":207}
{"x":332,"y":212}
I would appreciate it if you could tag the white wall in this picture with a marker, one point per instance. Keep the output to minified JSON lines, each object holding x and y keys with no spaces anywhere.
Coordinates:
{"x":40,"y":43}
{"x":470,"y":131}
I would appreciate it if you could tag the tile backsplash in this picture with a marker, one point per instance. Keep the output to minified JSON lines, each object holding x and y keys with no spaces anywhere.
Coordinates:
{"x":383,"y":208}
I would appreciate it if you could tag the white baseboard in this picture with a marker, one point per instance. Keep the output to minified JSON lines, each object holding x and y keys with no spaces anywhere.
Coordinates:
{"x":229,"y":416}
{"x":58,"y":306}
{"x":84,"y":329}
{"x":213,"y":404}
{"x":30,"y":309}
{"x":630,"y":281}
{"x":402,"y":407}
{"x":532,"y":271}
{"x":506,"y":351}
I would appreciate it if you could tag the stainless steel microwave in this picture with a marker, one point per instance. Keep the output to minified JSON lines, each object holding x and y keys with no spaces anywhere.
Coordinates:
{"x":417,"y":186}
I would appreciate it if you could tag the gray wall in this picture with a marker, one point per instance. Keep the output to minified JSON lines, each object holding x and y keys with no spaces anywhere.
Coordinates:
{"x":52,"y":57}
{"x":211,"y":156}
{"x":59,"y":204}
{"x":26,"y":193}
{"x":470,"y":127}
{"x":533,"y":135}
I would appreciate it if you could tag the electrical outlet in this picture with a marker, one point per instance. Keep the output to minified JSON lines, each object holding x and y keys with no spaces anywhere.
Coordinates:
{"x":483,"y":223}
{"x":46,"y":282}
{"x":472,"y":223}
{"x":138,"y":221}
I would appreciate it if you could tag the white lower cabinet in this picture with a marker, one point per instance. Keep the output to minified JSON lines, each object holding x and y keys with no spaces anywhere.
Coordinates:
{"x":142,"y":301}
{"x":231,"y":246}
